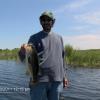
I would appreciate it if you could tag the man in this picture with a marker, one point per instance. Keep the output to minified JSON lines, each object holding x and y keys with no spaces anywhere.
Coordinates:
{"x":52,"y":74}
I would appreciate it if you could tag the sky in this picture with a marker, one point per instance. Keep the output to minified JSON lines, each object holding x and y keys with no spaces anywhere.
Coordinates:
{"x":77,"y":21}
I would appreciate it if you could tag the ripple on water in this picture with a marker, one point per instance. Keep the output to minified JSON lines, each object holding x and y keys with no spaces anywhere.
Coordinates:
{"x":84,"y":83}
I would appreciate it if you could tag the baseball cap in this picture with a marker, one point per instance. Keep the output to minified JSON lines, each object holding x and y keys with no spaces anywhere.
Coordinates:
{"x":47,"y":13}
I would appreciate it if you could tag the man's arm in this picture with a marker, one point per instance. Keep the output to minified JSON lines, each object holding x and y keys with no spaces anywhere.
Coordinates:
{"x":65,"y":80}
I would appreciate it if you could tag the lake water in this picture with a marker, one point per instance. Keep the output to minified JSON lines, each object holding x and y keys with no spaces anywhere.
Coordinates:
{"x":84,"y":83}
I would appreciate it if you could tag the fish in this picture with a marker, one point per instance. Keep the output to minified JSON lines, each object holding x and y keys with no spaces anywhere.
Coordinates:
{"x":31,"y":61}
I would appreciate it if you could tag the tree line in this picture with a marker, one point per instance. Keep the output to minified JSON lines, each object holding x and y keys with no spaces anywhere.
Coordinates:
{"x":73,"y":57}
{"x":84,"y":58}
{"x":7,"y":54}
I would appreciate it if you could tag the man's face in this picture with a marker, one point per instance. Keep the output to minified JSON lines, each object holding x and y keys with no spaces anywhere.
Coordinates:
{"x":46,"y":23}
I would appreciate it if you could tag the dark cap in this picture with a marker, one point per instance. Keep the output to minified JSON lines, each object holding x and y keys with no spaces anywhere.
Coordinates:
{"x":49,"y":14}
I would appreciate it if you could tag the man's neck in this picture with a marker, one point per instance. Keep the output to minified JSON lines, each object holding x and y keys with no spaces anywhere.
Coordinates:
{"x":47,"y":32}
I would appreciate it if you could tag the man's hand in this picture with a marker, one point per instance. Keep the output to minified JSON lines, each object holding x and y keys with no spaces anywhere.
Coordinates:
{"x":65,"y":82}
{"x":22,"y":52}
{"x":25,"y":48}
{"x":22,"y":49}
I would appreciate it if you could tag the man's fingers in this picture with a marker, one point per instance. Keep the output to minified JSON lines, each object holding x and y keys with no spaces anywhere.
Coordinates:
{"x":65,"y":82}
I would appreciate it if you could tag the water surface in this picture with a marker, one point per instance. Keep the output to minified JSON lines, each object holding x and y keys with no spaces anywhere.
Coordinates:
{"x":84,"y":83}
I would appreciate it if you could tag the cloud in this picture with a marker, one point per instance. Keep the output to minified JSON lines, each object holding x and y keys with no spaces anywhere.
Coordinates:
{"x":72,"y":6}
{"x":79,"y":4}
{"x":78,"y":28}
{"x":90,"y":18}
{"x":88,"y":41}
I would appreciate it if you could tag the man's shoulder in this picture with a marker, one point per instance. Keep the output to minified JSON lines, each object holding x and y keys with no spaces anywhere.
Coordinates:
{"x":36,"y":35}
{"x":56,"y":35}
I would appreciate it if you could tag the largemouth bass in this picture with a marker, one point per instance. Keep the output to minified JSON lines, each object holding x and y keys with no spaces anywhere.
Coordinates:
{"x":31,"y":61}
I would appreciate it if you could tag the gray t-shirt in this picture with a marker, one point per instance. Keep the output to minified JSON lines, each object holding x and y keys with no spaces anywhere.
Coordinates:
{"x":50,"y":51}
